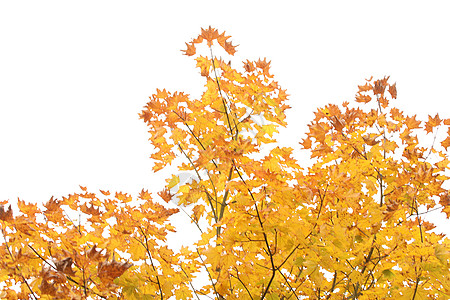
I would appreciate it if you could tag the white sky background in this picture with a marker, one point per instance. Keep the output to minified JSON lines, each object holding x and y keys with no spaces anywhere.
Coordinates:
{"x":74,"y":75}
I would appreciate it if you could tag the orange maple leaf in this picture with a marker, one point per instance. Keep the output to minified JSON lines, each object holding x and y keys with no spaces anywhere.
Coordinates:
{"x":363,"y":98}
{"x":106,"y":193}
{"x":306,"y":143}
{"x":190,"y":49}
{"x":412,"y":123}
{"x":432,"y":122}
{"x":248,"y":66}
{"x":123,"y":197}
{"x":364,"y":88}
{"x":446,"y":143}
{"x":161,"y":94}
{"x":91,"y":210}
{"x":229,"y":48}
{"x":264,"y":65}
{"x":52,"y":204}
{"x":209,"y":35}
{"x":145,"y":195}
{"x":165,"y":195}
{"x":222,"y":40}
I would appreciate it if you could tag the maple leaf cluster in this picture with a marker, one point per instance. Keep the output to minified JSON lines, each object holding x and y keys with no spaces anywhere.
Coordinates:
{"x":209,"y":35}
{"x":53,"y":255}
{"x":353,"y":225}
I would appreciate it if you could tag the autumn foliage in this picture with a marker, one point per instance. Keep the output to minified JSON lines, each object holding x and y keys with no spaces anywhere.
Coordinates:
{"x":349,"y":226}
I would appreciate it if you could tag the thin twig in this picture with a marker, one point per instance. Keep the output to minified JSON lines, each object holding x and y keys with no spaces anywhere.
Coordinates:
{"x":17,"y":267}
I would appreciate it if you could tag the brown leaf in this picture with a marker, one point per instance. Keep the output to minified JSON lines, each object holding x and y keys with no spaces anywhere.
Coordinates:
{"x":52,"y":205}
{"x":370,"y":139}
{"x":393,"y":90}
{"x":6,"y":215}
{"x":379,"y":86}
{"x":65,"y":266}
{"x":248,"y":66}
{"x":445,"y":202}
{"x":391,"y":208}
{"x":338,"y":123}
{"x":93,"y":254}
{"x":109,"y":270}
{"x":91,"y":210}
{"x":48,"y":274}
{"x":48,"y":288}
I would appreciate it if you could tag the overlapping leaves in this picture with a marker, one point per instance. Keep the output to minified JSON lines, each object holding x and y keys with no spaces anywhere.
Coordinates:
{"x":352,"y":226}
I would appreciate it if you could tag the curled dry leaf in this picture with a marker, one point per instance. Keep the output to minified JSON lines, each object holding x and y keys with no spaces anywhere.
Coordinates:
{"x":6,"y":215}
{"x":110,"y":270}
{"x":65,"y":266}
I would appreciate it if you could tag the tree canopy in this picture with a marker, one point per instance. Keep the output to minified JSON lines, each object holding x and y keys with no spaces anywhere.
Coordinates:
{"x":350,"y":226}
